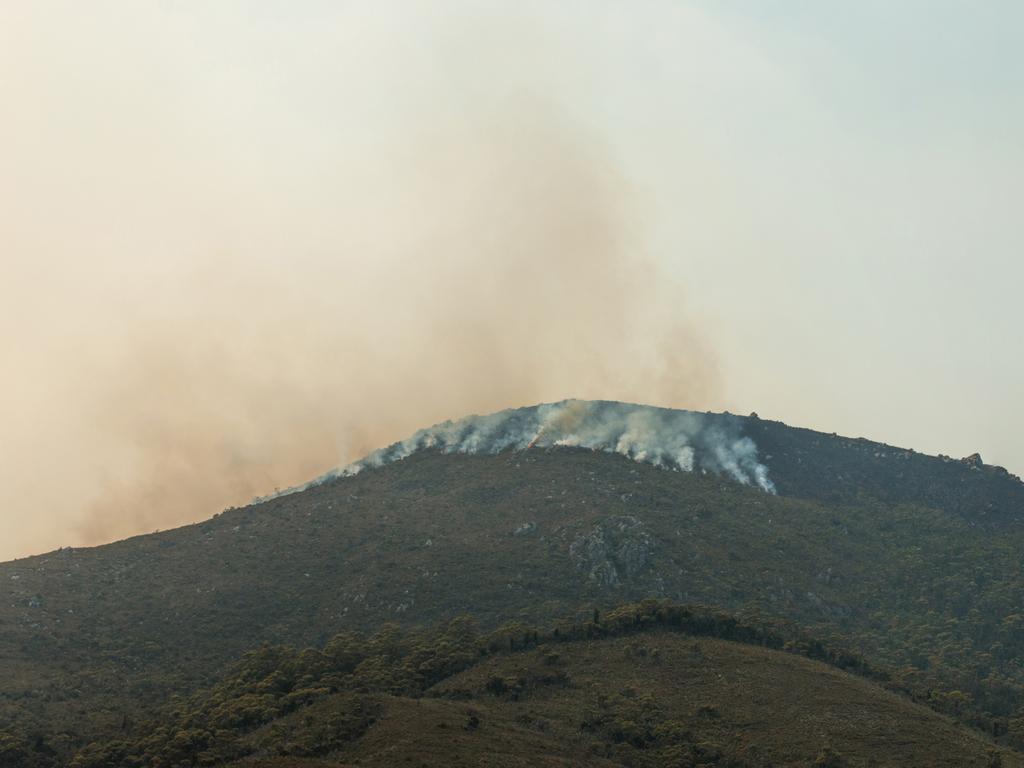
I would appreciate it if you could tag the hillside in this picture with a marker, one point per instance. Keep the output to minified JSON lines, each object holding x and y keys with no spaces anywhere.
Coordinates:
{"x":649,"y":684}
{"x":717,"y":702}
{"x":908,"y":560}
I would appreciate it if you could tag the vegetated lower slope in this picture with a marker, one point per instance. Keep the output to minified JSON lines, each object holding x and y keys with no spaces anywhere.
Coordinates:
{"x":929,"y":589}
{"x":649,"y":684}
{"x":664,"y":700}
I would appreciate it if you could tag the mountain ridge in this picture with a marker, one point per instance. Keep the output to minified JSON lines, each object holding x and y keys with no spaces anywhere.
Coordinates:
{"x":890,"y":556}
{"x":565,"y":423}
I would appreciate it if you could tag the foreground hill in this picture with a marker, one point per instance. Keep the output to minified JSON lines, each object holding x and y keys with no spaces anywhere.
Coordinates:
{"x":713,"y":702}
{"x":647,"y":685}
{"x":911,"y":561}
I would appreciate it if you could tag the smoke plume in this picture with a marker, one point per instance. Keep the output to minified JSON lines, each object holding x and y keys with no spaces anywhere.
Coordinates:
{"x":673,"y":439}
{"x":227,"y":316}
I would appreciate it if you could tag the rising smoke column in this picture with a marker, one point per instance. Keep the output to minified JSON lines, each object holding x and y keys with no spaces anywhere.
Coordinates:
{"x":673,"y":439}
{"x":429,"y":228}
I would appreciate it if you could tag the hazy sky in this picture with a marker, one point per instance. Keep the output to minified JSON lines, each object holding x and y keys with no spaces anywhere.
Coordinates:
{"x":242,"y":242}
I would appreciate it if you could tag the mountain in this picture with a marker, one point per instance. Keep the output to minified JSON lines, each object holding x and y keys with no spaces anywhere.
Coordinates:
{"x":533,"y":515}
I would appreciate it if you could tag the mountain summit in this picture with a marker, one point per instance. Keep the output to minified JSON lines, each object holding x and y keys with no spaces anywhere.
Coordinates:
{"x":668,"y":438}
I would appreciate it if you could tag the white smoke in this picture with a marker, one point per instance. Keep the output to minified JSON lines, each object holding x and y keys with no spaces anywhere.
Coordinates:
{"x":672,"y":439}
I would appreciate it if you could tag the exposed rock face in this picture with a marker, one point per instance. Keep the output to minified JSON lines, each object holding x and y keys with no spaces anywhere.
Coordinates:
{"x":613,"y":551}
{"x":974,"y":460}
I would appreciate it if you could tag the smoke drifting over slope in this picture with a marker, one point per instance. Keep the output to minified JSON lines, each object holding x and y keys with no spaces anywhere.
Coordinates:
{"x":674,"y":439}
{"x":464,"y":246}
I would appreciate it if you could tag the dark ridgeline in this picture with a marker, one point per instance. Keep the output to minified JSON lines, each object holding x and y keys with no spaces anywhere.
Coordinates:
{"x":832,"y":468}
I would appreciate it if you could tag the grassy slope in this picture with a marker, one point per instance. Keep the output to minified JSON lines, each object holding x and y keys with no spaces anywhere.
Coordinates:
{"x":653,"y":699}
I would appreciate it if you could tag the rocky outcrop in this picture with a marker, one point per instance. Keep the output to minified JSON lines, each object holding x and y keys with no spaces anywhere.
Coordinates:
{"x":974,"y":460}
{"x":613,"y":551}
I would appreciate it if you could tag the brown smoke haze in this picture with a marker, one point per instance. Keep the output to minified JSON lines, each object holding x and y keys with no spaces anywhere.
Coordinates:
{"x":169,"y":359}
{"x":242,"y":242}
{"x":503,"y":273}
